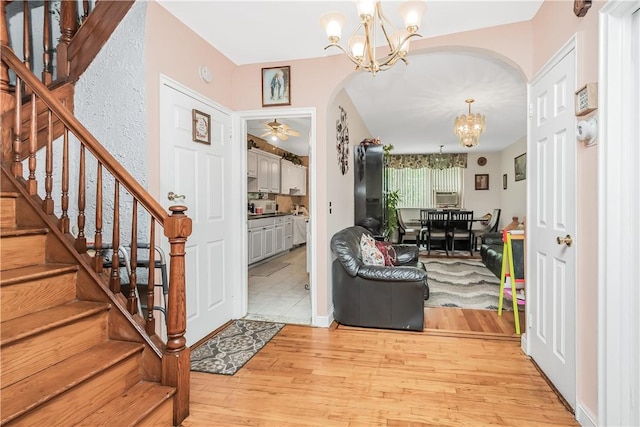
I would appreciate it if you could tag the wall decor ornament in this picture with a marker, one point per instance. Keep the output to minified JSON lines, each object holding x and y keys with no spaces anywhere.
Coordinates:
{"x":520,"y":167}
{"x":342,"y":141}
{"x":201,"y":127}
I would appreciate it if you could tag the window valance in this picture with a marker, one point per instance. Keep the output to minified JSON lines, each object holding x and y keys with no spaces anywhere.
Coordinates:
{"x":431,"y":161}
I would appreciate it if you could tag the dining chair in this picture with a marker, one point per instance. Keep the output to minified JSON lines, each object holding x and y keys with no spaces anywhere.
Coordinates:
{"x":405,"y":231}
{"x":459,"y":229}
{"x":434,"y":226}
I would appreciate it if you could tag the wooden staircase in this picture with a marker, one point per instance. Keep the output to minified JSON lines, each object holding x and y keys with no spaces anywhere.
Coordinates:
{"x":59,"y":364}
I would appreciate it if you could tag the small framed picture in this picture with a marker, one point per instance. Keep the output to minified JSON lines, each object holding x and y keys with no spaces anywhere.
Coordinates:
{"x":276,"y":86}
{"x":482,"y":181}
{"x":520,"y":167}
{"x":504,"y":181}
{"x":201,"y":127}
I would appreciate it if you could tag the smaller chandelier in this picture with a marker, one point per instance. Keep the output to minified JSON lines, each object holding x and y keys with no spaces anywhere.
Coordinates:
{"x":441,"y":160}
{"x":362,"y":43}
{"x":469,"y":128}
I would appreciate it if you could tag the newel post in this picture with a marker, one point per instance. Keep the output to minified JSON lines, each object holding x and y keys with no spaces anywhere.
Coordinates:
{"x":176,"y":359}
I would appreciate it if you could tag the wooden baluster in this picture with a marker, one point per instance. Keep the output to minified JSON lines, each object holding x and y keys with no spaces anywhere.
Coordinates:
{"x":26,"y":37}
{"x":16,"y":166}
{"x":46,"y":45}
{"x":32,"y":182}
{"x":175,"y":361}
{"x":68,"y":28}
{"x":114,"y":280}
{"x":64,"y":202}
{"x":132,"y":300}
{"x":47,"y":203}
{"x":81,"y":240}
{"x":98,"y":259}
{"x":85,"y":10}
{"x":4,"y":40}
{"x":7,"y":98}
{"x":150,"y":325}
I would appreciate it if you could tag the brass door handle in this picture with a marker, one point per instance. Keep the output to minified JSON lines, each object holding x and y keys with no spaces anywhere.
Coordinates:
{"x":568,"y":240}
{"x":172,"y":196}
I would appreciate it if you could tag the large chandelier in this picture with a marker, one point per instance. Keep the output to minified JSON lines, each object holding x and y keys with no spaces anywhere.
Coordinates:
{"x":469,"y":128}
{"x":362,"y":43}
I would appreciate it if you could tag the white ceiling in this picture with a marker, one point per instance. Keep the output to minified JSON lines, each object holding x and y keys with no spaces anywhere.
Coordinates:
{"x":411,"y":107}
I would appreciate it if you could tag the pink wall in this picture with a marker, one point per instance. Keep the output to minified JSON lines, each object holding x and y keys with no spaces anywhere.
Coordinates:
{"x":177,"y":52}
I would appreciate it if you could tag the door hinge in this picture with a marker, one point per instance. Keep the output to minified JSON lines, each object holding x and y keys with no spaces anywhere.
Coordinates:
{"x":530,"y":110}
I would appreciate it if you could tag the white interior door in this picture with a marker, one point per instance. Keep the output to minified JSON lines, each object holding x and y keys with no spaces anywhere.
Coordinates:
{"x":201,"y":172}
{"x":551,"y":267}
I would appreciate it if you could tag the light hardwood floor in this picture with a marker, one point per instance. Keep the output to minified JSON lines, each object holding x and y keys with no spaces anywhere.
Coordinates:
{"x":355,"y":377}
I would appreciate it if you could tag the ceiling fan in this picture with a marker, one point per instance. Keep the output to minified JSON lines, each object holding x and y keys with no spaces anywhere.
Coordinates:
{"x":279,"y":130}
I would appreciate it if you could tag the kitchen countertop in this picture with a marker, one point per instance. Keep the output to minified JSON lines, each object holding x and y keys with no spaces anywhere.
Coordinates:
{"x":268,"y":215}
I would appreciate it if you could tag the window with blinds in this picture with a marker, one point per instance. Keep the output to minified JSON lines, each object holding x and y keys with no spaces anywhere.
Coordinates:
{"x":418,"y":187}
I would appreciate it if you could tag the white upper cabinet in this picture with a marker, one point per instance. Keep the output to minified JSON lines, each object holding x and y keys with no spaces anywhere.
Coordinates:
{"x":267,"y":176}
{"x":293,"y":179}
{"x":252,"y":164}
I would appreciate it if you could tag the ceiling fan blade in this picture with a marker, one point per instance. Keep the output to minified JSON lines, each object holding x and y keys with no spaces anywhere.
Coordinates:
{"x":283,"y":136}
{"x":266,"y":134}
{"x":293,"y":132}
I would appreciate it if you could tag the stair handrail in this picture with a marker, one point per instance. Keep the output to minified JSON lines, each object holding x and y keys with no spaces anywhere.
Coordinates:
{"x":177,"y":226}
{"x":83,"y":134}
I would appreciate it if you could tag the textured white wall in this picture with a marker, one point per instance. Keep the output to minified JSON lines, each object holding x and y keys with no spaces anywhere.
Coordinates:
{"x":110,"y":100}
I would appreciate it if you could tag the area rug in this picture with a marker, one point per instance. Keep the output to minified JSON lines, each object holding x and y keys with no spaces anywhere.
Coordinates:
{"x":267,"y":269}
{"x":228,"y":351}
{"x":462,"y":283}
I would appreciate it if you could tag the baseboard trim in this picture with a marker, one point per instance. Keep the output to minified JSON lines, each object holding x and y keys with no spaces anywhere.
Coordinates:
{"x":324,"y":321}
{"x":584,"y":417}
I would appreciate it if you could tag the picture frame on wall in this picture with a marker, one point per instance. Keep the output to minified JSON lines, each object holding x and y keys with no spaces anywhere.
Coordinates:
{"x":520,"y":167}
{"x":504,"y":181}
{"x":201,"y":127}
{"x":276,"y":86}
{"x":482,"y":181}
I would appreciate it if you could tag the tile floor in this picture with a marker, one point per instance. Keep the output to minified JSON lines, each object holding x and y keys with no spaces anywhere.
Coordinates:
{"x":279,"y":294}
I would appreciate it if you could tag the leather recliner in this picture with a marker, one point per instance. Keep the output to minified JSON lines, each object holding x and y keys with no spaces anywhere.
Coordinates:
{"x":491,"y":253}
{"x":377,"y":296}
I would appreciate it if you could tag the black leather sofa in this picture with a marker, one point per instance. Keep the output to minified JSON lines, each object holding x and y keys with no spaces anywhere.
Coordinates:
{"x":491,"y":253}
{"x":377,"y":296}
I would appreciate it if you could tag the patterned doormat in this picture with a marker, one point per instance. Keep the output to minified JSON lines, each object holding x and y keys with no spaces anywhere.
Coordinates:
{"x":227,"y":351}
{"x":462,"y":283}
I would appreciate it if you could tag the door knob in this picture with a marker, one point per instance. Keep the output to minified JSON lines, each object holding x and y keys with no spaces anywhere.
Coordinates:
{"x":173,"y":196}
{"x":568,"y":240}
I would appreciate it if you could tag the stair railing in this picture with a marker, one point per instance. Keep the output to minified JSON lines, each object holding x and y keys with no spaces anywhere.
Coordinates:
{"x":177,"y":225}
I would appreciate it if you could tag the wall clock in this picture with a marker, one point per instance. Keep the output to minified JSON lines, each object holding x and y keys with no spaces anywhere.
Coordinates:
{"x":342,"y":141}
{"x":482,"y":161}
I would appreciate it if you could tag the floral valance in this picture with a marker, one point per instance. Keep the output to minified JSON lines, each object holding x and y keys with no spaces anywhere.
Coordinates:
{"x":431,"y":161}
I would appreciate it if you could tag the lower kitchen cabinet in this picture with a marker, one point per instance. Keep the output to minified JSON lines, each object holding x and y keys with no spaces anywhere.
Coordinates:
{"x":268,"y":237}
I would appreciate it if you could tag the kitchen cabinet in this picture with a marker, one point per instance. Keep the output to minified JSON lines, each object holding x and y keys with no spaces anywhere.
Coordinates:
{"x":269,"y":236}
{"x":267,"y":179}
{"x":252,"y":164}
{"x":293,"y":179}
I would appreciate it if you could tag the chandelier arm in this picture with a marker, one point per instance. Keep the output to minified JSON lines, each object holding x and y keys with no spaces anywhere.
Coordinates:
{"x":346,"y":52}
{"x":383,"y":20}
{"x":370,"y":52}
{"x":394,"y":54}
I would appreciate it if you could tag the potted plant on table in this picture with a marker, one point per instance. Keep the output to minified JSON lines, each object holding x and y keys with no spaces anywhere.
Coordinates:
{"x":391,"y":224}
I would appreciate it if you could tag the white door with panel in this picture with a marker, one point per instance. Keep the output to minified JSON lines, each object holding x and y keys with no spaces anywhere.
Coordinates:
{"x":201,"y":172}
{"x":551,"y":226}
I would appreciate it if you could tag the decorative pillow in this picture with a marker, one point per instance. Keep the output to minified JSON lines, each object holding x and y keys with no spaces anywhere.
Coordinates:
{"x":388,"y":252}
{"x":371,"y":255}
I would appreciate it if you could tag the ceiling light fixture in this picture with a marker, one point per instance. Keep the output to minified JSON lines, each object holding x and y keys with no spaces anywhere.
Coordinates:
{"x":362,"y":43}
{"x":441,"y":160}
{"x":469,"y":127}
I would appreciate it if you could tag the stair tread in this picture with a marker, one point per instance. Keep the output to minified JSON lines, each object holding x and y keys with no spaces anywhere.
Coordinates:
{"x":131,"y":406}
{"x":21,"y":327}
{"x":22,"y":231}
{"x":33,"y":272}
{"x":23,"y":396}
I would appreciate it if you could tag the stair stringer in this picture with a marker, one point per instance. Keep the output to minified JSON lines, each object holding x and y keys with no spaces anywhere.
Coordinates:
{"x":90,"y":286}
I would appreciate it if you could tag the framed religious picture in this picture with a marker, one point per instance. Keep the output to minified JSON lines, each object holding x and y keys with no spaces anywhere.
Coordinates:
{"x":482,"y":181}
{"x":201,"y":127}
{"x":276,"y":86}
